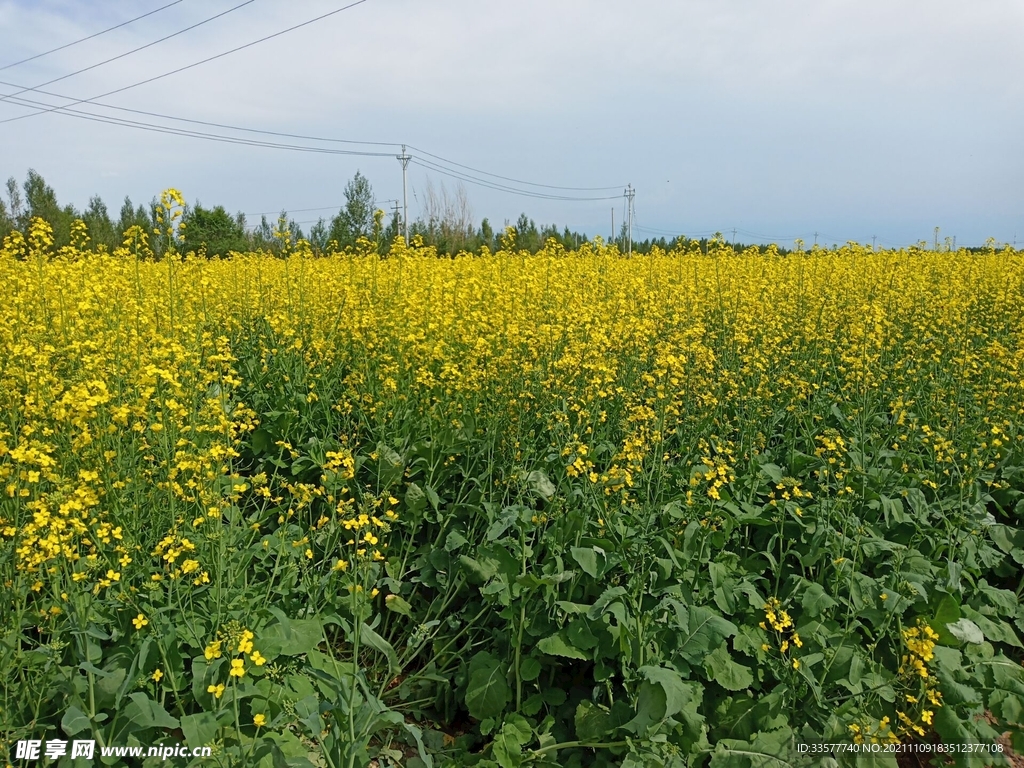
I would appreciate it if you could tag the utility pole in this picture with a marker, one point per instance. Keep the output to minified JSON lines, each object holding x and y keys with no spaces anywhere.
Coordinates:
{"x":936,"y":246}
{"x":815,"y":238}
{"x":630,"y":193}
{"x":873,"y":242}
{"x":734,"y":235}
{"x":612,"y":239}
{"x":394,"y":210}
{"x":404,"y":160}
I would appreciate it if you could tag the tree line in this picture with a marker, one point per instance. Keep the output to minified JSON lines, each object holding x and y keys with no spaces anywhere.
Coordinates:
{"x":446,"y":222}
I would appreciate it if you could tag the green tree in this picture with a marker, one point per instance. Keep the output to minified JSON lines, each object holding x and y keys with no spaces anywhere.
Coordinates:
{"x":215,"y":229}
{"x":6,"y":222}
{"x":131,"y":216}
{"x":318,"y":236}
{"x":528,"y":237}
{"x":16,"y":209}
{"x":355,"y":219}
{"x":262,"y":237}
{"x":101,"y":229}
{"x":41,"y":202}
{"x":486,"y":234}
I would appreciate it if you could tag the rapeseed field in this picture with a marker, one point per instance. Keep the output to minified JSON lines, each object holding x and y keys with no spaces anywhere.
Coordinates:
{"x":512,"y":509}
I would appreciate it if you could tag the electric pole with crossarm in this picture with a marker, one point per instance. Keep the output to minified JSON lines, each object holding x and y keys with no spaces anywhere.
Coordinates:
{"x":404,"y":159}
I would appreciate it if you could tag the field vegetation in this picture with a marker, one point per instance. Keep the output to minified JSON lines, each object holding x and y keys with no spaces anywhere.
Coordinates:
{"x":562,"y":508}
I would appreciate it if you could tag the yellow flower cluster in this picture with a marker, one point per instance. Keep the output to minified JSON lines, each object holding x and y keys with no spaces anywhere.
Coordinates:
{"x":234,"y":640}
{"x":367,"y":528}
{"x":872,"y":732}
{"x":920,"y":641}
{"x":778,"y":621}
{"x":919,"y":694}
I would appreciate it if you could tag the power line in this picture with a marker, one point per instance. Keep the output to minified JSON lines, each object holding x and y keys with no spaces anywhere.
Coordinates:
{"x":515,"y":181}
{"x":196,"y":122}
{"x":89,"y":37}
{"x":439,"y":168}
{"x":194,"y":64}
{"x":197,"y":134}
{"x":134,"y":50}
{"x":139,"y":125}
{"x":670,"y":233}
{"x":282,"y":134}
{"x":502,"y":187}
{"x":307,"y":210}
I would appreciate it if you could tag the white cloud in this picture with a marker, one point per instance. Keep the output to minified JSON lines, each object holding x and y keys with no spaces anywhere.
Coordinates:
{"x":787,"y":112}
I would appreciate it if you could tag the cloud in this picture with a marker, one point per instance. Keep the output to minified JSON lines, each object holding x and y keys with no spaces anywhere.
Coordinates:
{"x":776,"y":116}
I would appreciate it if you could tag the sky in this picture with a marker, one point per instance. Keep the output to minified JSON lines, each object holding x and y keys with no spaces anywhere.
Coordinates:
{"x":851,"y":119}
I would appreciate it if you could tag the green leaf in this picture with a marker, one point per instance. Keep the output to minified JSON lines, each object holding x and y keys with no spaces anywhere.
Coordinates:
{"x":307,"y":710}
{"x":290,"y":637}
{"x":769,"y":749}
{"x":487,"y":692}
{"x":1006,"y":674}
{"x":956,"y":693}
{"x":505,"y":520}
{"x":146,"y":713}
{"x":533,"y":705}
{"x":947,"y":611}
{"x":477,"y":571}
{"x":966,"y":631}
{"x":415,"y":498}
{"x":398,"y":604}
{"x":593,"y":721}
{"x":1009,"y":540}
{"x":677,"y":693}
{"x":773,"y":472}
{"x":650,"y":708}
{"x":586,"y":558}
{"x":726,"y":672}
{"x":816,"y":601}
{"x":529,"y":669}
{"x":702,"y":630}
{"x":200,"y":728}
{"x":261,"y":442}
{"x":508,"y":745}
{"x":432,"y":497}
{"x":74,"y":721}
{"x":371,"y":639}
{"x":390,"y":465}
{"x":496,"y":558}
{"x":579,"y":635}
{"x":554,"y":696}
{"x":994,"y":629}
{"x":1003,"y":600}
{"x":607,"y":597}
{"x":454,"y":540}
{"x":558,"y":645}
{"x":417,"y":736}
{"x":539,"y":483}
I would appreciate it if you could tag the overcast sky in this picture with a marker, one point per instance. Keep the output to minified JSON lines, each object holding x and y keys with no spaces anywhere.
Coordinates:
{"x":851,"y":118}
